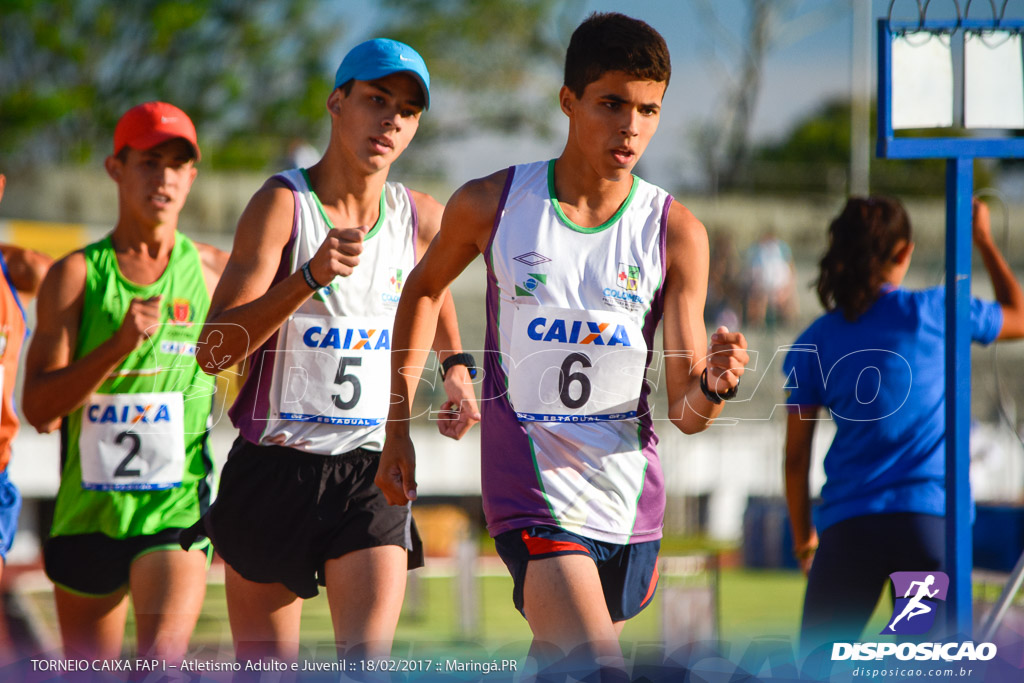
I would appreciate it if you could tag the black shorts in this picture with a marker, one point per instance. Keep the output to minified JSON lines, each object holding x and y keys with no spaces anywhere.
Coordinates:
{"x":629,"y":573}
{"x":95,"y":565}
{"x":852,"y":565}
{"x":281,"y":514}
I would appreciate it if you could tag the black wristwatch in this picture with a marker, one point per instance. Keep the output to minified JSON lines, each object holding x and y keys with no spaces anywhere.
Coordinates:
{"x":458,"y":359}
{"x":714,"y":396}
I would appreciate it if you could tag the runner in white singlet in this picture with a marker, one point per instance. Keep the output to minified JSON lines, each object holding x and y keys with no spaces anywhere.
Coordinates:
{"x":584,"y":259}
{"x":308,"y":299}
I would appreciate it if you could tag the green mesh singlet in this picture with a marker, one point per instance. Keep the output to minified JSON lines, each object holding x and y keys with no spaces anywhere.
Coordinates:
{"x":165,"y":363}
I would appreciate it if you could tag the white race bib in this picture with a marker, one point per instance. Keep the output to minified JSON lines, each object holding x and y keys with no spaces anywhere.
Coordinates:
{"x":133,"y":442}
{"x":575,"y":365}
{"x":336,"y":370}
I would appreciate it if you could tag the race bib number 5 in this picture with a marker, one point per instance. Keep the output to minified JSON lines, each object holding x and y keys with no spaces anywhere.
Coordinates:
{"x":336,"y":370}
{"x":575,"y":365}
{"x":133,"y":442}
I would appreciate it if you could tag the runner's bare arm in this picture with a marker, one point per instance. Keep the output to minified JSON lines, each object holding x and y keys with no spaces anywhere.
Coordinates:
{"x":1007,"y":290}
{"x":799,"y":438}
{"x":54,"y":384}
{"x":685,"y":337}
{"x":243,"y":314}
{"x":459,"y":413}
{"x":213,"y":261}
{"x":465,"y":231}
{"x":26,"y":268}
{"x":246,"y":309}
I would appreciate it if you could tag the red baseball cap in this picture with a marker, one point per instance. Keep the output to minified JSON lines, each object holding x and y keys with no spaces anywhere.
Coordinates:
{"x":147,"y":125}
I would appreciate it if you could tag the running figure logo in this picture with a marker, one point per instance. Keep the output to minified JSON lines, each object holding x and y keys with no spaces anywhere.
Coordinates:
{"x":914,"y":612}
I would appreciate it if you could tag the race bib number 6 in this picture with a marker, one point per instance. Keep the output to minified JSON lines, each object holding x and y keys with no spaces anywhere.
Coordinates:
{"x":133,"y":442}
{"x":575,"y":365}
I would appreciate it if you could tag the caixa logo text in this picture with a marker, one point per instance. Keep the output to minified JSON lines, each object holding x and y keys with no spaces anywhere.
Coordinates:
{"x":128,"y":414}
{"x":948,"y":652}
{"x":352,"y":338}
{"x":578,"y":332}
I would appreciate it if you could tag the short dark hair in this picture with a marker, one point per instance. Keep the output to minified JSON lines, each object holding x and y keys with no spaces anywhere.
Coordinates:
{"x":609,"y":41}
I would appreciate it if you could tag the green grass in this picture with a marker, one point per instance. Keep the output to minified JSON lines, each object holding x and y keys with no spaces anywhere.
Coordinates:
{"x":757,"y":603}
{"x":753,"y":603}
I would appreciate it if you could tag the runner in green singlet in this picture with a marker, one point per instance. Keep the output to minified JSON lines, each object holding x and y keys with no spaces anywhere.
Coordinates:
{"x":113,"y":364}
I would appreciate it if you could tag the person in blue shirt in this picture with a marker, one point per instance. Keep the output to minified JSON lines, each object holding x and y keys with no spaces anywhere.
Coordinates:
{"x":874,"y":363}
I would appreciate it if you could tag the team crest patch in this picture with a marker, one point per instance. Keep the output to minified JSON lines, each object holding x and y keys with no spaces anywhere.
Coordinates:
{"x":531,"y":283}
{"x":628,"y":277}
{"x":395,"y":280}
{"x":181,"y":312}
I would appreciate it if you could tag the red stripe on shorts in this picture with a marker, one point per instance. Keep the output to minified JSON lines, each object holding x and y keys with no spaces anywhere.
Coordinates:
{"x":650,"y":589}
{"x":542,"y":546}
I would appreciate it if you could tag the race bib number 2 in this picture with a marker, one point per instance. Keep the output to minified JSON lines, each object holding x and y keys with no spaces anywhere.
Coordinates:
{"x":575,"y":365}
{"x":133,"y":442}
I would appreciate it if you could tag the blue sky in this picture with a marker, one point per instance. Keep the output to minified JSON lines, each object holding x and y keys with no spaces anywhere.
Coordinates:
{"x":810,"y":64}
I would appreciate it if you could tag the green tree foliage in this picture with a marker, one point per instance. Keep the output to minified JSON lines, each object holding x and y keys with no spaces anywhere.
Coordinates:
{"x":251,"y":73}
{"x":815,"y":156}
{"x":496,"y":65}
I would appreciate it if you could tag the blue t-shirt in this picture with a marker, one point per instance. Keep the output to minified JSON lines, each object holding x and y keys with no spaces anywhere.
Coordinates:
{"x":882,"y":379}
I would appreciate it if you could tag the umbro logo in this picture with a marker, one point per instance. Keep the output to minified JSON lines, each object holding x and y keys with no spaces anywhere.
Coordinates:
{"x":168,"y":119}
{"x":531,"y":258}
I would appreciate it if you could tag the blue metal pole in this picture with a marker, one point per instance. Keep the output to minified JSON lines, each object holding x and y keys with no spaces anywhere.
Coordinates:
{"x":884,"y":114}
{"x":959,"y":191}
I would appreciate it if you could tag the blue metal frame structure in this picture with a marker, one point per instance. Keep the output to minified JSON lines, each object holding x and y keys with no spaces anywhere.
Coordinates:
{"x":959,"y":154}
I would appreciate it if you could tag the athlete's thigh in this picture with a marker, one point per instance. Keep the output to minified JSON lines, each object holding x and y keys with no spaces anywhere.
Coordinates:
{"x":563,"y":601}
{"x":91,"y":626}
{"x":365,"y":590}
{"x":167,"y":587}
{"x":168,"y":581}
{"x":264,"y":617}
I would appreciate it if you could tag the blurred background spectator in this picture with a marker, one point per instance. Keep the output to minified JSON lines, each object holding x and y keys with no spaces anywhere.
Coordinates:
{"x":769,"y":280}
{"x":724,"y":292}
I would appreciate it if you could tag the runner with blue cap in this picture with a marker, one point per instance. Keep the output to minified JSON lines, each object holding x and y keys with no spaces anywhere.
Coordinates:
{"x":382,"y":57}
{"x":311,"y":290}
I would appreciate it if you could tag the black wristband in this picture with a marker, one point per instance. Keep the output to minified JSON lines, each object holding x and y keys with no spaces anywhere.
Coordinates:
{"x":307,"y":275}
{"x":714,"y":396}
{"x":459,"y":359}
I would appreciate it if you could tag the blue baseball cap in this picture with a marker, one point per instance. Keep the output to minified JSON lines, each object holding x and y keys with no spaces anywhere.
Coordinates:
{"x":382,"y":57}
